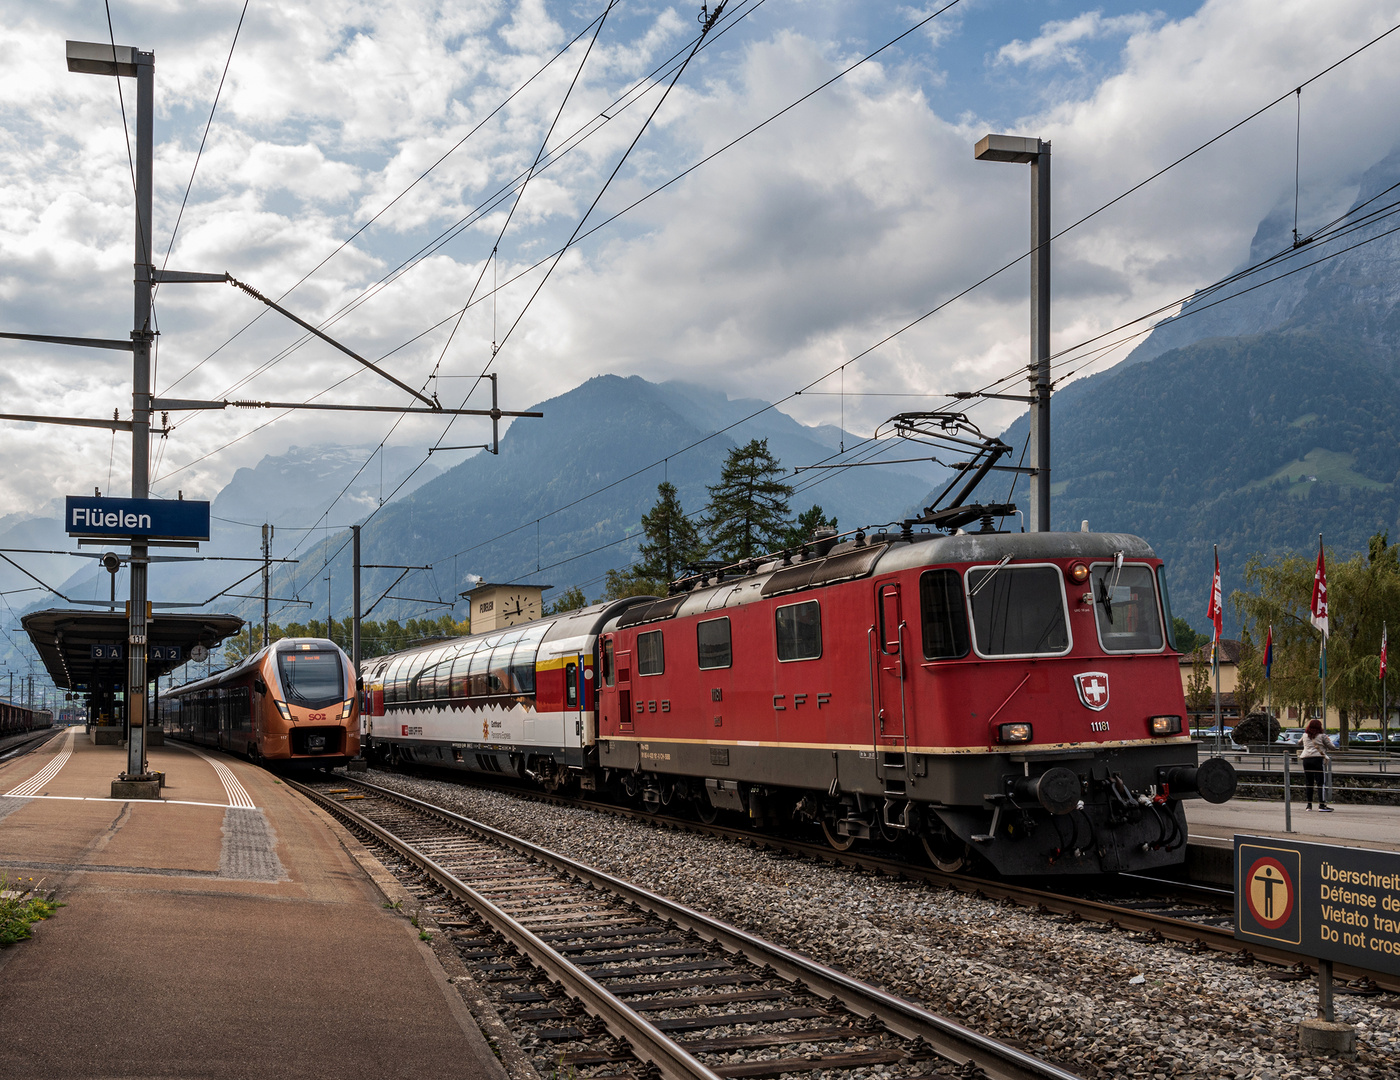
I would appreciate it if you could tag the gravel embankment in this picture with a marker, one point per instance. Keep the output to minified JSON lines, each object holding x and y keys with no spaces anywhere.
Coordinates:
{"x":1098,"y":1002}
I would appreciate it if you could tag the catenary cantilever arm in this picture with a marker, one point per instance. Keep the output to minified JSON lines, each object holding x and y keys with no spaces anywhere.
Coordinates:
{"x":275,"y":306}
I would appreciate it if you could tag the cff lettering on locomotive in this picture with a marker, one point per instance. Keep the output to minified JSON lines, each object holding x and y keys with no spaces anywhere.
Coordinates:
{"x":998,"y":700}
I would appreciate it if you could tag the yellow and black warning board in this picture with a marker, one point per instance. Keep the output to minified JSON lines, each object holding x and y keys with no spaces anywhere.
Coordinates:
{"x":1334,"y":903}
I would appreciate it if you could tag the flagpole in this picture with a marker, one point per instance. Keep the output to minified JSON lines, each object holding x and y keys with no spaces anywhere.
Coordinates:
{"x":1215,"y":656}
{"x":1385,"y":710}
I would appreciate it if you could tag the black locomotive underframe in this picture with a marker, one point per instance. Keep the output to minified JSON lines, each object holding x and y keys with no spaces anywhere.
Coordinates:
{"x":956,"y":799}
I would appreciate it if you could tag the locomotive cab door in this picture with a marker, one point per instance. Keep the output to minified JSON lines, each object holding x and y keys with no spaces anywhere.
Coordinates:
{"x":624,"y":691}
{"x":891,"y":720}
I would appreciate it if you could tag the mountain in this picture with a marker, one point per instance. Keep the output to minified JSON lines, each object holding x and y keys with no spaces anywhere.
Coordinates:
{"x":529,"y":515}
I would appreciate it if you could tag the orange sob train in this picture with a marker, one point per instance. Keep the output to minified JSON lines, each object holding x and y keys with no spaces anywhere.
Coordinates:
{"x":293,"y":702}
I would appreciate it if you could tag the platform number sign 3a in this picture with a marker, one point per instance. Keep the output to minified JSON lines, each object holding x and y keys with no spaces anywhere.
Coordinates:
{"x":1093,"y":689}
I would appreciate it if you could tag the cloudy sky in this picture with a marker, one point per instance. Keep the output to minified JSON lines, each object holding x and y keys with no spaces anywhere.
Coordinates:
{"x":779,"y":260}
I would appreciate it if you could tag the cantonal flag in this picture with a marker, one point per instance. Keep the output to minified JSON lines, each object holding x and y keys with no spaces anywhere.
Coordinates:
{"x":1269,"y":653}
{"x":1318,"y":609}
{"x":1215,"y":611}
{"x":1382,"y":650}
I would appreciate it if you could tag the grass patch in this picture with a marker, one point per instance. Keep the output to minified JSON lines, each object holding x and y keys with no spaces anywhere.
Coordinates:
{"x":20,"y":909}
{"x":1326,"y":466}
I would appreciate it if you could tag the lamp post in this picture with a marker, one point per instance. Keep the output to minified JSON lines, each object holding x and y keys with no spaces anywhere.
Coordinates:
{"x":96,"y":58}
{"x":1036,"y":152}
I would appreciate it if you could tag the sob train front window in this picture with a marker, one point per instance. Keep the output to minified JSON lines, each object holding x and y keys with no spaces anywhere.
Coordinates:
{"x":1018,"y":610}
{"x":1125,"y":607}
{"x":311,"y":678}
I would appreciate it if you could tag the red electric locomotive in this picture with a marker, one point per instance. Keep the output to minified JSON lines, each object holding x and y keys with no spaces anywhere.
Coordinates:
{"x":1012,"y":698}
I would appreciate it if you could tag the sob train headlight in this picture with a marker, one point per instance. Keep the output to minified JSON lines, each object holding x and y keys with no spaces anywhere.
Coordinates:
{"x":1166,"y":725}
{"x":286,"y":712}
{"x":1014,"y":733}
{"x":345,"y":709}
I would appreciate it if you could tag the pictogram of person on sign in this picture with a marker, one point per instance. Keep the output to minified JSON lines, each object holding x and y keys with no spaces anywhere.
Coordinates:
{"x":1270,"y":882}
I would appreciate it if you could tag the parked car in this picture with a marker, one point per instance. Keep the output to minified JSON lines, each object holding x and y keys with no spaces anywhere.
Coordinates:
{"x":1210,"y":732}
{"x":1366,"y":738}
{"x":1290,"y":737}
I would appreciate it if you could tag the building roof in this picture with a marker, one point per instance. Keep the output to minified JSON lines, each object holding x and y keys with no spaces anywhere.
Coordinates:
{"x":1229,"y":653}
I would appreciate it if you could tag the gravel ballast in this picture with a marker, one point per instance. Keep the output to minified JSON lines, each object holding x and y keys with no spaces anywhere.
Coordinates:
{"x":1099,"y":1002}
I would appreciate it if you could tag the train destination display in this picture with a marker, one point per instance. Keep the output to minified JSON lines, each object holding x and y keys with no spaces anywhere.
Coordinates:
{"x":1335,"y":903}
{"x":163,"y":519}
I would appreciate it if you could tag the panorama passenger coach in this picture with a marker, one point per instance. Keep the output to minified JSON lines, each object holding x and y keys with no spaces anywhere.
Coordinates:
{"x":1011,"y":700}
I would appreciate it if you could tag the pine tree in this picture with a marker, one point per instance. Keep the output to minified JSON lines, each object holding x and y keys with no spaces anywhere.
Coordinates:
{"x":804,"y":529}
{"x":672,"y":541}
{"x":749,"y":506}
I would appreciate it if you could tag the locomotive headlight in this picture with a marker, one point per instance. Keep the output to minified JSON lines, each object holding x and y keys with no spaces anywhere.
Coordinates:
{"x":1014,"y":733}
{"x":284,"y":710}
{"x":1166,"y":725}
{"x":1077,"y":573}
{"x":345,"y":709}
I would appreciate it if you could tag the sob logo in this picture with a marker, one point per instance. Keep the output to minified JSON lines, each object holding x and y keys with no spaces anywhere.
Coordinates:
{"x":1093,"y":689}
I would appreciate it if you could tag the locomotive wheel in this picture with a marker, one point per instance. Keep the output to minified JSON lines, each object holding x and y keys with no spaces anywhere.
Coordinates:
{"x":836,"y":840}
{"x":706,"y":811}
{"x":946,"y":853}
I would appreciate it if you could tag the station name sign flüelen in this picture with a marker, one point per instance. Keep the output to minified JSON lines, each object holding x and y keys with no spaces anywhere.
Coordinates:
{"x":156,"y":519}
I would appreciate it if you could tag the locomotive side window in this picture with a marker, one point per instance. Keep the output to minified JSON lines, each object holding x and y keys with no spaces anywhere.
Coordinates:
{"x":944,"y":615}
{"x":799,"y":631}
{"x":608,"y":678}
{"x":651,"y":653}
{"x":1125,"y":607}
{"x":1018,"y":610}
{"x":1167,"y":608}
{"x":713,"y":645}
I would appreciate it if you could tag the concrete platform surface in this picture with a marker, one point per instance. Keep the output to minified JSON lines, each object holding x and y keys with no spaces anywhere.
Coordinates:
{"x":225,"y":930}
{"x":1353,"y":826}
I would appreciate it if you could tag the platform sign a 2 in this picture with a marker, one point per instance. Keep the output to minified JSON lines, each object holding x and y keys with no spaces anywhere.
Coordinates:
{"x":1335,"y":903}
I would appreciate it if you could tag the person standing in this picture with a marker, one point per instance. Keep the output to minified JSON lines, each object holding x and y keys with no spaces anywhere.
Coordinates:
{"x":1314,"y":755}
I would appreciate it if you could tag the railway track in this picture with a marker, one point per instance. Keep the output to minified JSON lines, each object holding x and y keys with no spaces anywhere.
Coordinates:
{"x":1182,"y":914}
{"x":13,"y":747}
{"x":596,"y":975}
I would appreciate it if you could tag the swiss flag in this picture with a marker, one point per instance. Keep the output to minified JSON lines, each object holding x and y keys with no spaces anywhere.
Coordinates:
{"x":1318,"y":608}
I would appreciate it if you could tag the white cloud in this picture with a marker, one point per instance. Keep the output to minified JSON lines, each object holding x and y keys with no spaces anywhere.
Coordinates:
{"x":1057,"y":41}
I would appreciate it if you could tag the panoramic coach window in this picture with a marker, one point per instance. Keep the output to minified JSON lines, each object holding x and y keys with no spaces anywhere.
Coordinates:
{"x":312,"y":677}
{"x":944,"y":615}
{"x":800,"y":631}
{"x":651,"y":654}
{"x":1125,"y":607}
{"x":712,"y":641}
{"x":1018,"y":610}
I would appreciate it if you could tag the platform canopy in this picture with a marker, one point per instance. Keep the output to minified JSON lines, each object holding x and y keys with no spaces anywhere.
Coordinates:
{"x":83,"y":649}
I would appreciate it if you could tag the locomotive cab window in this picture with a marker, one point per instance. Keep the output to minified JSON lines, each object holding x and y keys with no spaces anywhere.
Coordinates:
{"x":944,"y":615}
{"x":1018,"y":610}
{"x":312,"y":677}
{"x":1125,"y":608}
{"x":608,"y":677}
{"x":651,"y":653}
{"x":799,"y":629}
{"x":713,"y":644}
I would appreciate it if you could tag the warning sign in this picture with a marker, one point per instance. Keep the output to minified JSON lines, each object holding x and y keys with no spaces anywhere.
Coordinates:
{"x":1269,"y":893}
{"x":1335,"y":903}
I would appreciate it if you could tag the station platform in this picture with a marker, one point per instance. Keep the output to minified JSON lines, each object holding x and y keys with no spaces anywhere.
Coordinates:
{"x":1211,"y":830}
{"x":228,"y":929}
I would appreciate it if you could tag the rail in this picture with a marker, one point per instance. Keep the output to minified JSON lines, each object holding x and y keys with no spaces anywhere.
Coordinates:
{"x":943,"y":1036}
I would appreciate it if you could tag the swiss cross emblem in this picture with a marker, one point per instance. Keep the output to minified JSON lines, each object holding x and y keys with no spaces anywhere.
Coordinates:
{"x":1093,"y":689}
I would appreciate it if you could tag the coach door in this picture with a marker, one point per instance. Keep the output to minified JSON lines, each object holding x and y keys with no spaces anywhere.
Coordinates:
{"x":891,"y":720}
{"x":573,"y":700}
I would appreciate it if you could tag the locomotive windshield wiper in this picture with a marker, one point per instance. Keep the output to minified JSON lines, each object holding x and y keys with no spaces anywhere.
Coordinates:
{"x":988,"y":576}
